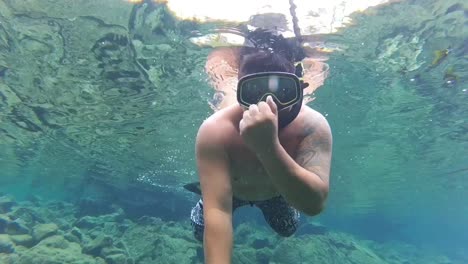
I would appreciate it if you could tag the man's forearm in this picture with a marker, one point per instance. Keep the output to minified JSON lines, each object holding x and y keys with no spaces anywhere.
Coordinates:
{"x":218,"y":237}
{"x":303,"y":189}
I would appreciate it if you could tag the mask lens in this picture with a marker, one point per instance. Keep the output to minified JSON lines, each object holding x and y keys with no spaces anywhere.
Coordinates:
{"x":287,"y":91}
{"x":253,"y":90}
{"x":284,"y":88}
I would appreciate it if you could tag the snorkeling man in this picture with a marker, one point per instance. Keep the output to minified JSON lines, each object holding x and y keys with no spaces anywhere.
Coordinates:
{"x":269,"y":150}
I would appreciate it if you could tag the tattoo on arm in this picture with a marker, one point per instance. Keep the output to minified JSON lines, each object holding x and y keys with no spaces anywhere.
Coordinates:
{"x":310,"y":154}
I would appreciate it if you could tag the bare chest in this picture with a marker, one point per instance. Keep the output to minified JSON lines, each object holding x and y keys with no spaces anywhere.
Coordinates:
{"x":249,"y":178}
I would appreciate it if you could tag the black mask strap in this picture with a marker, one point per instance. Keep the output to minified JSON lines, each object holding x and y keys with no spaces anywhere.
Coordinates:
{"x":299,"y":72}
{"x":283,"y":122}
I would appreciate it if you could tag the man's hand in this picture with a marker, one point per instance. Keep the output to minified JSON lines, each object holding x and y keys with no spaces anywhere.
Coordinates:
{"x":259,"y":126}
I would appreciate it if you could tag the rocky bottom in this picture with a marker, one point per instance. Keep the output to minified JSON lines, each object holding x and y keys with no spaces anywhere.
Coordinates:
{"x":40,"y":231}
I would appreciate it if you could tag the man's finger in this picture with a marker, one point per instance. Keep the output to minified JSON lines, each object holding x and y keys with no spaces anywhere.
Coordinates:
{"x":263,"y":107}
{"x":253,"y":110}
{"x":241,"y":125}
{"x":245,"y":114}
{"x":272,"y":105}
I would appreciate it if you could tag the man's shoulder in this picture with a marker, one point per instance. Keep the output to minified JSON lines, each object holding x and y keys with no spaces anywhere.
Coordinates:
{"x":216,"y":128}
{"x":315,"y":121}
{"x":311,"y":115}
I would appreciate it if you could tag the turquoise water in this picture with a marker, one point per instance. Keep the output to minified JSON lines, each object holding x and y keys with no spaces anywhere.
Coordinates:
{"x":100,"y":103}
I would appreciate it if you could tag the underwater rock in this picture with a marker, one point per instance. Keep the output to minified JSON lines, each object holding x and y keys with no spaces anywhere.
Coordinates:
{"x":117,"y":259}
{"x":245,"y":255}
{"x":164,"y":47}
{"x":107,"y":251}
{"x":121,"y":245}
{"x":35,"y":199}
{"x":149,"y":220}
{"x":330,"y":248}
{"x":124,"y":225}
{"x":311,"y":229}
{"x":4,"y":220}
{"x":56,"y":241}
{"x":56,"y":249}
{"x":161,"y":243}
{"x":72,"y":238}
{"x":172,"y":250}
{"x":260,"y":243}
{"x":400,"y":253}
{"x":95,"y":247}
{"x":94,"y":207}
{"x":6,"y":202}
{"x":90,"y":222}
{"x":42,"y":231}
{"x":77,"y":232}
{"x":16,"y":227}
{"x":27,"y":215}
{"x":249,"y":255}
{"x":63,"y":224}
{"x":87,"y":222}
{"x":111,"y":229}
{"x":6,"y":245}
{"x":263,"y":256}
{"x":75,"y":235}
{"x":22,"y":240}
{"x":257,"y":237}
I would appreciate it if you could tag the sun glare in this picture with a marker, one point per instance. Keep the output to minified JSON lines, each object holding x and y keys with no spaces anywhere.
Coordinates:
{"x":325,"y":16}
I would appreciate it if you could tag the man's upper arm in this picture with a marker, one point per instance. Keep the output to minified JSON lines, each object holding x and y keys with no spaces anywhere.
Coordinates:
{"x":213,"y":169}
{"x":315,"y":150}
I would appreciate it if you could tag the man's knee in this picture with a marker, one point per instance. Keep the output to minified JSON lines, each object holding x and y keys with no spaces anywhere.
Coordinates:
{"x":197,"y":221}
{"x":285,"y":227}
{"x":282,"y":218}
{"x":198,"y":231}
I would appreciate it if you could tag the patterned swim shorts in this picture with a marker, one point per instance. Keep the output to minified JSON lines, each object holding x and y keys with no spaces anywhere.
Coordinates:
{"x":281,"y":217}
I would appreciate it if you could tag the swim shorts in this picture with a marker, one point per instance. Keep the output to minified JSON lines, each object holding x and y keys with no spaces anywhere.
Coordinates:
{"x":281,"y":217}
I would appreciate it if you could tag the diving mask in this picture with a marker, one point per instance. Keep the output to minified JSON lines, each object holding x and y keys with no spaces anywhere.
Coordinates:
{"x":284,"y":88}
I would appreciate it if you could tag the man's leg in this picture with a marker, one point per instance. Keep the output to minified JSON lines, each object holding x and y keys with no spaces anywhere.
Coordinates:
{"x":282,"y":217}
{"x":197,"y":220}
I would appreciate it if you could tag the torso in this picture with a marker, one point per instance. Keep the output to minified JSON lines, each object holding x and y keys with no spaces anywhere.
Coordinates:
{"x":249,"y":180}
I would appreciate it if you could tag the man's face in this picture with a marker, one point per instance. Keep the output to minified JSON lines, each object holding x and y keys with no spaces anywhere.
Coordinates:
{"x":283,"y":115}
{"x":253,"y":88}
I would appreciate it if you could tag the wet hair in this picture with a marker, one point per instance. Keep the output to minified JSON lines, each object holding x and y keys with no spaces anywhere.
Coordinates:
{"x":264,"y":61}
{"x":267,"y":50}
